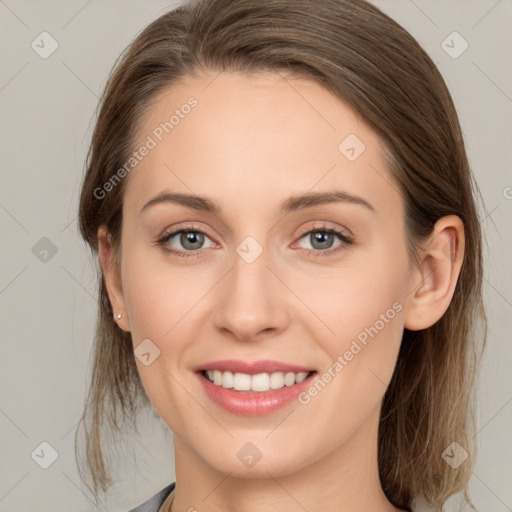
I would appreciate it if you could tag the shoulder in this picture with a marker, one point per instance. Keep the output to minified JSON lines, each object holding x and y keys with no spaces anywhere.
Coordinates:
{"x":155,"y":502}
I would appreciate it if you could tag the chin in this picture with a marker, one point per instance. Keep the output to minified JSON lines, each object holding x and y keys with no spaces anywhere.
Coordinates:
{"x":255,"y":460}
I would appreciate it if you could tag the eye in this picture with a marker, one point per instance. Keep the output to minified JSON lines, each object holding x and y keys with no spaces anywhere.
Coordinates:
{"x":190,"y":239}
{"x":321,"y":240}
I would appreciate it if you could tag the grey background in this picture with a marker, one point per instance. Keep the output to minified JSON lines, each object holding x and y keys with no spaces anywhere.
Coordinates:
{"x":48,"y":308}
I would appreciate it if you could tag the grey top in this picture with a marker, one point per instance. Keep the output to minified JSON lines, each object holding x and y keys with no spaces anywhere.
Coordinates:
{"x":156,"y":501}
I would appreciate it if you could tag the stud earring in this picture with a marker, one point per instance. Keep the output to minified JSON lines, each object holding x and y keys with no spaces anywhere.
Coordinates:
{"x":119,"y":316}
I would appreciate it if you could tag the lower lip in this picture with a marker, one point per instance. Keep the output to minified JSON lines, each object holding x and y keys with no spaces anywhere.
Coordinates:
{"x":253,"y":404}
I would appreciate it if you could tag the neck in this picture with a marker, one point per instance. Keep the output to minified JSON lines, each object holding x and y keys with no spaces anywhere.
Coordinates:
{"x":345,"y":479}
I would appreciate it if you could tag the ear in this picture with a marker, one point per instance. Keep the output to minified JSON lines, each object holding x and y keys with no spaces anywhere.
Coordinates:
{"x":112,"y":276}
{"x":435,"y":278}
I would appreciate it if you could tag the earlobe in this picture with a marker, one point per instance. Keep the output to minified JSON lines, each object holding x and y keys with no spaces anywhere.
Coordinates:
{"x":435,"y":278}
{"x":112,"y":277}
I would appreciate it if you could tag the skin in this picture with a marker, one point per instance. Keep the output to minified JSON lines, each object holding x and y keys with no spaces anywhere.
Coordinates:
{"x":249,"y":156}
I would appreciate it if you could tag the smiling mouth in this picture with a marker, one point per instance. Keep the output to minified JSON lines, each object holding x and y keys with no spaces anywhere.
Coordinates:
{"x":255,"y":383}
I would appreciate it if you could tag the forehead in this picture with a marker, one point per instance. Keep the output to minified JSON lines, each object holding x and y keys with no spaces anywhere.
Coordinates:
{"x":252,"y":136}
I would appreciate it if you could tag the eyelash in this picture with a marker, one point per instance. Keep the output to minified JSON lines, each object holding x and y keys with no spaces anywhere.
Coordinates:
{"x":345,"y":239}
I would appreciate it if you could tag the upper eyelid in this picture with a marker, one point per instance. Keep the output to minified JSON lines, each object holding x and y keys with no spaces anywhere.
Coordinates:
{"x":174,"y":231}
{"x":325,"y":225}
{"x":303,"y":231}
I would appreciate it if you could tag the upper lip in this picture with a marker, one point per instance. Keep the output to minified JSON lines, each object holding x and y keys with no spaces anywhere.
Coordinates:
{"x":253,"y":367}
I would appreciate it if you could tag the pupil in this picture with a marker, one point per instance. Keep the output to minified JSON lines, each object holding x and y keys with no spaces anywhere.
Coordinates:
{"x":320,"y":237}
{"x":191,"y":237}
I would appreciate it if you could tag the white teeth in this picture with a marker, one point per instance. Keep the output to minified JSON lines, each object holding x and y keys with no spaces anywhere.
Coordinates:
{"x":242,"y":382}
{"x":276,"y":380}
{"x":289,"y":379}
{"x":301,"y":376}
{"x":227,"y":380}
{"x":258,"y":383}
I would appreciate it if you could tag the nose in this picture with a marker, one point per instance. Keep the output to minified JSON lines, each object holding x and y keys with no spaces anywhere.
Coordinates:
{"x":252,"y":304}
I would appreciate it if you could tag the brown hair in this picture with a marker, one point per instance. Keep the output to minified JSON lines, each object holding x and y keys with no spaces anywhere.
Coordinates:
{"x":378,"y":69}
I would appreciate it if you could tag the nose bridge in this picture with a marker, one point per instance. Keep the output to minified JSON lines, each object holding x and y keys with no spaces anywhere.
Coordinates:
{"x":251,"y":300}
{"x":250,"y":273}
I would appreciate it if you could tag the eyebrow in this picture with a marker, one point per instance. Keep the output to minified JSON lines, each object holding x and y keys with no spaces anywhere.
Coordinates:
{"x":295,"y":203}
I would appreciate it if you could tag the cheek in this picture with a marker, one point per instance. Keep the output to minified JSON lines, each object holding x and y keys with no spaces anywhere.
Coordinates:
{"x":156,"y":293}
{"x":161,"y":301}
{"x":160,"y":307}
{"x":368,"y":325}
{"x":362,"y":307}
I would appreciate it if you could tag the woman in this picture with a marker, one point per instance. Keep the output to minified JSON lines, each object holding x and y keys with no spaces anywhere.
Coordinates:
{"x":282,"y":208}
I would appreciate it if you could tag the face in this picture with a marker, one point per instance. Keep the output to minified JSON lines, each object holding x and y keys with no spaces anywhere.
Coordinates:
{"x":256,"y":282}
